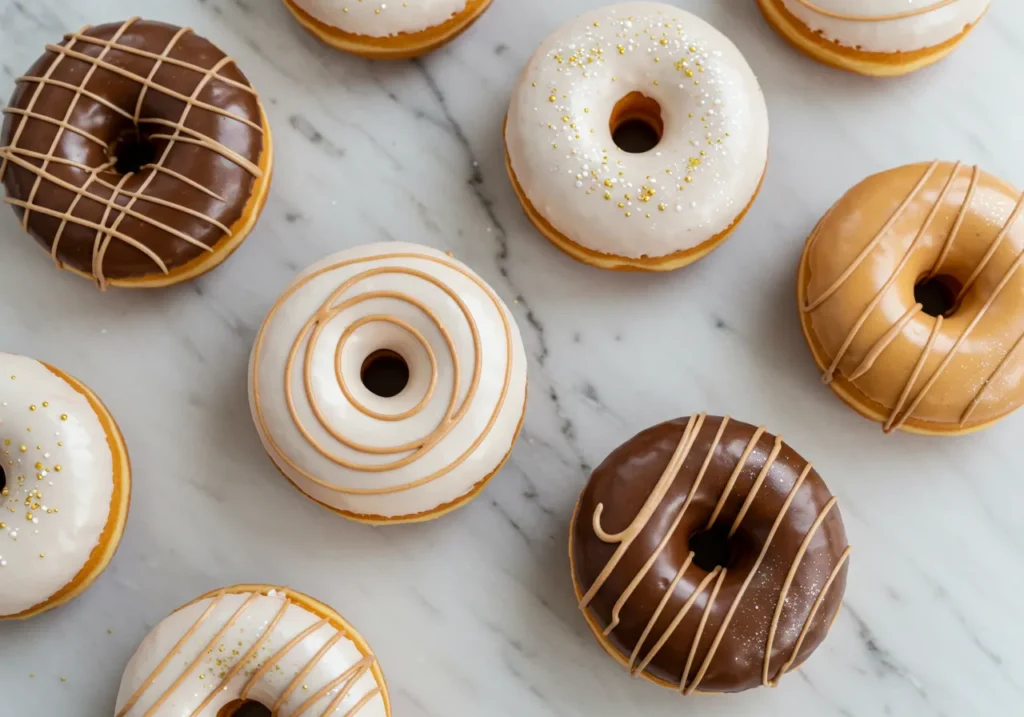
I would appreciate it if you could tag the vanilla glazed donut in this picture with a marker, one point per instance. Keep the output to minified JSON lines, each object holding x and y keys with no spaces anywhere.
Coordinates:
{"x":65,"y":484}
{"x":387,"y":30}
{"x":912,"y":298}
{"x":875,"y":37}
{"x":412,"y":450}
{"x":253,"y":644}
{"x":651,"y":65}
{"x":136,"y":153}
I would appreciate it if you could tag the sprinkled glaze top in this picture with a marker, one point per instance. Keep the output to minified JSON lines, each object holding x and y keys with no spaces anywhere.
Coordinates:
{"x":58,"y":470}
{"x":432,"y":443}
{"x":263,"y":647}
{"x":375,"y":18}
{"x":692,"y":185}
{"x":888,"y":25}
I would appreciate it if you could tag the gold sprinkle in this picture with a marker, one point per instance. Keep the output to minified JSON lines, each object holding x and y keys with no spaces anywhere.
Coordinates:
{"x":23,"y":448}
{"x":46,"y":404}
{"x":552,"y":98}
{"x":32,"y":407}
{"x":63,"y":416}
{"x":57,"y":468}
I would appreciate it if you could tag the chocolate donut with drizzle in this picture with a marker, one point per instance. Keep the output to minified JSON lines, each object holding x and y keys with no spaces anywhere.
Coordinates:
{"x":708,"y":555}
{"x":911,"y":294}
{"x":137,"y":153}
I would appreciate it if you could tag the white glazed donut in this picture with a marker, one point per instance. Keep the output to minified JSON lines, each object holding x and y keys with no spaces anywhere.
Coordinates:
{"x":387,"y":30}
{"x":417,"y":454}
{"x":274,"y":647}
{"x":888,"y":25}
{"x":667,"y":206}
{"x":66,"y":487}
{"x":374,"y":18}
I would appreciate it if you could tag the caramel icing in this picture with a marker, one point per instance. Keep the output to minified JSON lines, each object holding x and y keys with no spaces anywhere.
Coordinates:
{"x":866,"y":326}
{"x":130,"y":89}
{"x":774,"y":504}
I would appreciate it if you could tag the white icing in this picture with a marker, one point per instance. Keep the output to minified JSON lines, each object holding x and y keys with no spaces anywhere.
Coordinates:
{"x":214,"y":665}
{"x":569,"y":167}
{"x":901,"y":35}
{"x":69,"y":507}
{"x":374,"y":18}
{"x":326,"y":480}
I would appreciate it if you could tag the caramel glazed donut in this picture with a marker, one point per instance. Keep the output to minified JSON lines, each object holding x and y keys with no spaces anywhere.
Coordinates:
{"x":875,"y":37}
{"x":637,"y":64}
{"x":253,"y":644}
{"x":136,"y":153}
{"x":708,"y":556}
{"x":387,"y":30}
{"x":65,"y":484}
{"x":432,"y":442}
{"x":912,"y":298}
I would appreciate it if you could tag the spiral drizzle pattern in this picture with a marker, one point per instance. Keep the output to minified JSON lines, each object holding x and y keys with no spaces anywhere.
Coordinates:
{"x":334,"y":306}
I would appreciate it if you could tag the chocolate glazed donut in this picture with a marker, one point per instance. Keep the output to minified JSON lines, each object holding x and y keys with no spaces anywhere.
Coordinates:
{"x":135,"y":150}
{"x":708,"y":555}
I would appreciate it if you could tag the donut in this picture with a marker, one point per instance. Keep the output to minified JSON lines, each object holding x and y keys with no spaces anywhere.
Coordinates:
{"x":880,"y":38}
{"x":136,"y":153}
{"x":912,"y":298}
{"x":387,"y":31}
{"x":65,"y":483}
{"x":637,"y":137}
{"x":708,"y":556}
{"x":253,"y":644}
{"x":388,"y":383}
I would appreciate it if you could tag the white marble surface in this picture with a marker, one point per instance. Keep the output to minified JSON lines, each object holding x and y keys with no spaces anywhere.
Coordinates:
{"x":474,"y":614}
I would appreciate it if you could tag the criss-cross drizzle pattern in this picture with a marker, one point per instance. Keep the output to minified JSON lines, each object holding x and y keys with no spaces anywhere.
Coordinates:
{"x":625,"y":539}
{"x":102,"y":184}
{"x":901,"y":412}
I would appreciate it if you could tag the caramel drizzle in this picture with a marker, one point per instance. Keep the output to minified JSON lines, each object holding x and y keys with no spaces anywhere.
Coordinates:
{"x":455,"y":411}
{"x":625,"y":539}
{"x":866,"y":312}
{"x":897,"y":419}
{"x":346,"y":680}
{"x":901,"y":15}
{"x":181,"y":135}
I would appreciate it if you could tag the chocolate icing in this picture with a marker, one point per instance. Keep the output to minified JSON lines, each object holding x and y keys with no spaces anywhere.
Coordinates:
{"x":618,"y":491}
{"x":211,"y":166}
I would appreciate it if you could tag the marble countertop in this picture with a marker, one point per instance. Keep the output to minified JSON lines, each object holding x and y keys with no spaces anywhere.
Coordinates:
{"x":474,"y":614}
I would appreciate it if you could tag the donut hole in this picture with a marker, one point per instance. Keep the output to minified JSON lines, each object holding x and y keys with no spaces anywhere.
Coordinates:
{"x":636,"y":123}
{"x":938,"y":294}
{"x":713,"y":548}
{"x":385,"y":373}
{"x":131,"y":152}
{"x":244,"y":708}
{"x":3,"y":482}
